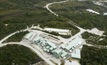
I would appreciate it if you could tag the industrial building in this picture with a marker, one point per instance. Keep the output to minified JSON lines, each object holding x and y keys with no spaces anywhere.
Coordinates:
{"x":71,"y":49}
{"x":74,"y":47}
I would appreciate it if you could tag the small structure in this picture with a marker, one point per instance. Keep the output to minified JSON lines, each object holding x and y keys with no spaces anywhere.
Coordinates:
{"x":105,"y":13}
{"x":36,"y":27}
{"x":60,"y":53}
{"x":92,"y":11}
{"x":57,"y":53}
{"x":30,"y":36}
{"x":60,"y":31}
{"x":76,"y":54}
{"x":96,"y":31}
{"x":64,"y":54}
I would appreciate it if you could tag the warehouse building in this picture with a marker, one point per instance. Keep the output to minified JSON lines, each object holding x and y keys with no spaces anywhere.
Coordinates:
{"x":71,"y":49}
{"x":60,"y":31}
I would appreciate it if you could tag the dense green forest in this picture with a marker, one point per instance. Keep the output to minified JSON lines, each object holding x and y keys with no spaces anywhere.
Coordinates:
{"x":18,"y":14}
{"x":76,"y":11}
{"x":17,"y":55}
{"x":16,"y":17}
{"x":93,"y":56}
{"x":17,"y":37}
{"x":23,"y":3}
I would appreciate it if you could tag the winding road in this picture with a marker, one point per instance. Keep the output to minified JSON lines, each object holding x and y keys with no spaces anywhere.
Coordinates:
{"x":49,"y":4}
{"x":30,"y":46}
{"x":81,"y":29}
{"x":5,"y":38}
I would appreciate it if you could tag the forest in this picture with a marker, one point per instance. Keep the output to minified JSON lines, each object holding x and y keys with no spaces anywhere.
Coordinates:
{"x":17,"y":17}
{"x":17,"y":55}
{"x":18,"y":14}
{"x":76,"y":12}
{"x":17,"y":37}
{"x":93,"y":56}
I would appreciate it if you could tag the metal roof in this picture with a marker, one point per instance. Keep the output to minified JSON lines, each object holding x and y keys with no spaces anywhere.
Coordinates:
{"x":74,"y":43}
{"x":63,"y":54}
{"x":76,"y":54}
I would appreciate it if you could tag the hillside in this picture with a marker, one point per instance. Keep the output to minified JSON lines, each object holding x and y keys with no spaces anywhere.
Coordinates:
{"x":17,"y":55}
{"x":19,"y":14}
{"x":23,"y":3}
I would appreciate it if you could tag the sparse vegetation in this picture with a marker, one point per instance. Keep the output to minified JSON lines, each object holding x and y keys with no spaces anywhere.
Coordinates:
{"x":57,"y":34}
{"x":94,"y":39}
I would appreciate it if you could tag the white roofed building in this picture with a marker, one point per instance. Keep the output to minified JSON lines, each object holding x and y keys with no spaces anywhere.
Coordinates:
{"x":105,"y":13}
{"x":74,"y":47}
{"x":76,"y":54}
{"x":60,"y":31}
{"x":57,"y":53}
{"x":46,"y":42}
{"x":74,"y":43}
{"x":92,"y":11}
{"x":30,"y":36}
